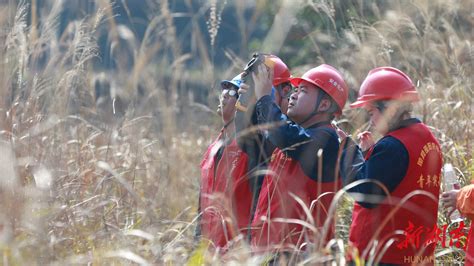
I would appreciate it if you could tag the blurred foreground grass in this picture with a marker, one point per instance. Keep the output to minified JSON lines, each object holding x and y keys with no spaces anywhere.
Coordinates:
{"x":114,"y":178}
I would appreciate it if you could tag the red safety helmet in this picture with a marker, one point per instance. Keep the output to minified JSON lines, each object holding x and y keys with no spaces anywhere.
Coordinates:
{"x":386,"y":83}
{"x":281,"y":73}
{"x":329,"y":80}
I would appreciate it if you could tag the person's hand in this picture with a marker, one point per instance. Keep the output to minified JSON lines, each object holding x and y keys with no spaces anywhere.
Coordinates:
{"x":341,"y":134}
{"x":365,"y":140}
{"x":243,"y":88}
{"x":263,"y":81}
{"x":448,"y":199}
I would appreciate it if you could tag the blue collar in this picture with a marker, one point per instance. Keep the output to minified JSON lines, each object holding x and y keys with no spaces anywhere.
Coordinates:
{"x":406,"y":123}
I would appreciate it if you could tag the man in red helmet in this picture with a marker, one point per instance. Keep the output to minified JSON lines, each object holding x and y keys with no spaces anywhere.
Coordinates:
{"x":397,"y":187}
{"x":301,"y":179}
{"x":229,"y":183}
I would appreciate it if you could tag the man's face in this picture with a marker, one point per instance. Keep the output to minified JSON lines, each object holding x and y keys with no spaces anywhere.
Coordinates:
{"x":227,"y":101}
{"x":302,"y":102}
{"x":282,"y":97}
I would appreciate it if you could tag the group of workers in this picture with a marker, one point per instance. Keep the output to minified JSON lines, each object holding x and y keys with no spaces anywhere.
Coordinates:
{"x":273,"y":182}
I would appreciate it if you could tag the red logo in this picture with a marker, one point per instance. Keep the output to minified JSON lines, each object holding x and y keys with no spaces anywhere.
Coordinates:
{"x":457,"y":236}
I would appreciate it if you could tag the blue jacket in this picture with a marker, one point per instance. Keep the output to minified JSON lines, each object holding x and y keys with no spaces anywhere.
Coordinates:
{"x":387,"y":164}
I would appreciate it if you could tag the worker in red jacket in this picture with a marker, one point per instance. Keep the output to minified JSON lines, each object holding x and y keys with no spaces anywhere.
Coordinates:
{"x":229,"y":189}
{"x":225,"y":195}
{"x":302,"y":171}
{"x":463,"y":200}
{"x":398,"y":181}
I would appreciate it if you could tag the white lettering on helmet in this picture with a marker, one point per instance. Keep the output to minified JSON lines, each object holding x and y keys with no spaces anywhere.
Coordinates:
{"x":335,"y":84}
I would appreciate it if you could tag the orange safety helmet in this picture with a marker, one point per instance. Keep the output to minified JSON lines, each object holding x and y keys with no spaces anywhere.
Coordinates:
{"x":386,"y":83}
{"x":281,"y":73}
{"x":329,"y":80}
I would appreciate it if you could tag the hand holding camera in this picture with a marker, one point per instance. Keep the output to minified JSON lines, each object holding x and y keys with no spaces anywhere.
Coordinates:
{"x":262,"y":81}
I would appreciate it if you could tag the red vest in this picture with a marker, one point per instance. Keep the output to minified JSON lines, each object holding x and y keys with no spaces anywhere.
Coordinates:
{"x":420,"y":214}
{"x":469,"y":260}
{"x":275,"y":202}
{"x":225,"y":193}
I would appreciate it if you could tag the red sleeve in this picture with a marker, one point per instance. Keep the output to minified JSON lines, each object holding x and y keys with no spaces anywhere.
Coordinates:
{"x":465,"y":201}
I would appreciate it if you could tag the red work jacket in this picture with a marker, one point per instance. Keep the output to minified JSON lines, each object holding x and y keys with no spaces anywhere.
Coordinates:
{"x":225,"y":196}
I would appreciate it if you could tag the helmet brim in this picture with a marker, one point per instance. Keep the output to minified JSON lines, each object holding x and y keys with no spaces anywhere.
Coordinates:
{"x":358,"y":104}
{"x":366,"y":99}
{"x":296,"y":81}
{"x":225,"y":83}
{"x":278,"y":81}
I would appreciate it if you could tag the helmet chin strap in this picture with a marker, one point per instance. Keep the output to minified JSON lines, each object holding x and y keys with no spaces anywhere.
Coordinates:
{"x":228,"y":123}
{"x":315,"y":110}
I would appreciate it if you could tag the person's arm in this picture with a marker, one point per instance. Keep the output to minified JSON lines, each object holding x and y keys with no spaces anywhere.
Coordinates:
{"x":252,"y":142}
{"x":248,"y":135}
{"x":465,"y":201}
{"x":387,"y":164}
{"x":254,"y":149}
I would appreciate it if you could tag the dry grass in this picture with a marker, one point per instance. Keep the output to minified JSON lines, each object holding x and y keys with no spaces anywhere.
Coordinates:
{"x":117,"y":183}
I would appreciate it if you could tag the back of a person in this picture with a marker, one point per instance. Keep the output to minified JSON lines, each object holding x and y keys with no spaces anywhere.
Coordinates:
{"x":416,"y":212}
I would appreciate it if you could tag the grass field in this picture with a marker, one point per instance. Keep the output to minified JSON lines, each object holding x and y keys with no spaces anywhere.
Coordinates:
{"x":114,"y":178}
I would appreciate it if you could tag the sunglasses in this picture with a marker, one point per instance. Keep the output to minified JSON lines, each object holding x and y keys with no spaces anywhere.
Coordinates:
{"x":231,"y":92}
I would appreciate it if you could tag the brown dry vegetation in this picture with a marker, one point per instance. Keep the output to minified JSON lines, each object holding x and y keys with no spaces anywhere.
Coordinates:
{"x":117,"y":182}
